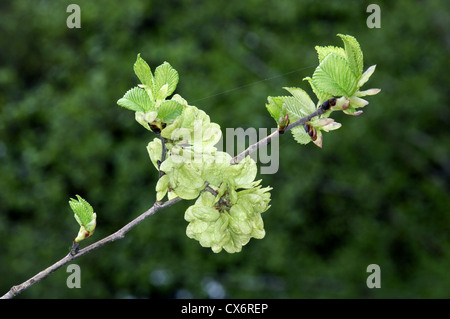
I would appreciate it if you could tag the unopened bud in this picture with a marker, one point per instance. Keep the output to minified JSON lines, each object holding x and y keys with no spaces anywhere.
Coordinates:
{"x":283,"y":122}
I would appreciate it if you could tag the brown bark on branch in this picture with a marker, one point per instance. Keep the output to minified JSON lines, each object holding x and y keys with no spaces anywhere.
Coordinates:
{"x":75,"y":253}
{"x":15,"y":290}
{"x":265,"y":141}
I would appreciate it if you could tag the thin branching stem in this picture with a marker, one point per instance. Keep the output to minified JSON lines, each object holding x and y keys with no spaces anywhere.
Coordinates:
{"x":265,"y":141}
{"x":15,"y":290}
{"x":75,"y":253}
{"x":163,"y":155}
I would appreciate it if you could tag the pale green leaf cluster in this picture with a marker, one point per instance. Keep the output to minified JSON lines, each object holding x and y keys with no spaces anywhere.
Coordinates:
{"x":299,"y":104}
{"x":85,"y":217}
{"x":228,"y":201}
{"x":231,"y":218}
{"x":277,"y":109}
{"x":334,"y":77}
{"x":192,"y":163}
{"x":227,"y":220}
{"x":192,"y":131}
{"x":149,"y":99}
{"x":339,"y":75}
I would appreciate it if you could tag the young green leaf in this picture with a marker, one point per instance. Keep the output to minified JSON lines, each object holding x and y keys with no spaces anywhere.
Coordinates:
{"x":143,"y":71}
{"x":84,"y":213}
{"x":276,"y":108}
{"x":353,"y":53}
{"x":324,"y":51}
{"x":300,"y":135}
{"x":85,"y":216}
{"x":169,"y":110}
{"x":300,"y":105}
{"x":334,"y":76}
{"x":321,"y":96}
{"x":166,"y":80}
{"x":137,"y":100}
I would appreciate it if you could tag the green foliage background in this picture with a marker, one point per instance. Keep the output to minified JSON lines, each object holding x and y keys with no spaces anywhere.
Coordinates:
{"x":378,"y":192}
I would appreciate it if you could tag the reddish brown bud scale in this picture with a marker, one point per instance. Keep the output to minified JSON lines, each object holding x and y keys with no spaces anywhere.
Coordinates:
{"x":284,"y":122}
{"x":312,"y":132}
{"x":328,"y":104}
{"x":155,"y":128}
{"x":158,"y":127}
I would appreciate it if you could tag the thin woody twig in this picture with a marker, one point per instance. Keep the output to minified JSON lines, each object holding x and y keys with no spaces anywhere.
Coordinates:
{"x":15,"y":290}
{"x":75,"y":248}
{"x":163,"y":155}
{"x":265,"y":141}
{"x":75,"y":253}
{"x":210,"y":189}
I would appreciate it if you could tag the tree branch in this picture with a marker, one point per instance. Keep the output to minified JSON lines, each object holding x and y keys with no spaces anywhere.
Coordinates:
{"x":265,"y":141}
{"x":75,"y":253}
{"x":15,"y":290}
{"x":163,"y":154}
{"x":209,"y":189}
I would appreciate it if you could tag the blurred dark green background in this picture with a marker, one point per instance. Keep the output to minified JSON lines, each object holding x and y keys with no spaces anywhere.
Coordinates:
{"x":377,"y":193}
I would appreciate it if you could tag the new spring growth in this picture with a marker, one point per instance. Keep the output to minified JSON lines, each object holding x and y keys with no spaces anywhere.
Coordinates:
{"x":189,"y":161}
{"x":85,"y":217}
{"x":229,"y":202}
{"x":336,"y":82}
